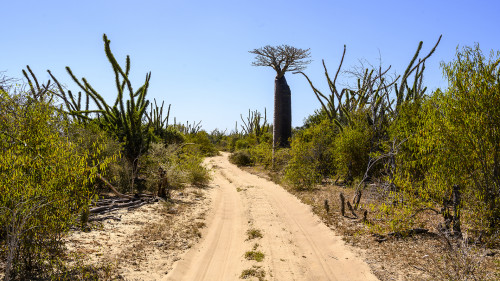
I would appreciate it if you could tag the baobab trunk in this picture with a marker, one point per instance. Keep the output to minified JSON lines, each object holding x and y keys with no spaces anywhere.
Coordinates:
{"x":282,"y":127}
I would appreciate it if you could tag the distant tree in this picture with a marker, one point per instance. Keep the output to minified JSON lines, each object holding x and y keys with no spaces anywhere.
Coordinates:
{"x":282,"y":59}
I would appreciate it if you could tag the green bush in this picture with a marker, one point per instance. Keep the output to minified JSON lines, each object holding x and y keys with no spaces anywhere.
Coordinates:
{"x":312,"y":157}
{"x":282,"y":157}
{"x":404,"y":131}
{"x":457,"y":142}
{"x":172,"y":136}
{"x":242,"y":144}
{"x":241,"y":158}
{"x":197,"y":173}
{"x":46,"y":181}
{"x":352,"y":148}
{"x":182,"y":166}
{"x":203,"y":143}
{"x":262,"y":154}
{"x":231,"y":142}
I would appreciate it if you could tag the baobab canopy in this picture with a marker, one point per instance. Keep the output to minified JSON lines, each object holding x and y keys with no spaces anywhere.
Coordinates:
{"x":282,"y":58}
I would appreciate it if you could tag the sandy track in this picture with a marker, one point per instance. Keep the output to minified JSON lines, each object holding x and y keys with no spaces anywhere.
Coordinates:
{"x":296,"y":244}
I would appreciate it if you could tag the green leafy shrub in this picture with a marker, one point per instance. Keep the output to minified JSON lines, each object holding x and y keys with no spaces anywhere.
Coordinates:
{"x":192,"y":163}
{"x":241,"y":158}
{"x":182,"y":165}
{"x":457,"y":142}
{"x":172,"y":136}
{"x":230,"y":142}
{"x":405,"y":131}
{"x":352,"y":148}
{"x":242,"y":144}
{"x":262,"y":154}
{"x":46,"y":181}
{"x":312,"y":157}
{"x":203,"y":143}
{"x":282,"y":157}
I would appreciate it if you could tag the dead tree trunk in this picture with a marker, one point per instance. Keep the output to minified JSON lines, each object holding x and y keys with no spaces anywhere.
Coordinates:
{"x":454,"y":216}
{"x":356,"y":199}
{"x":457,"y":232}
{"x":342,"y":204}
{"x":163,"y":191}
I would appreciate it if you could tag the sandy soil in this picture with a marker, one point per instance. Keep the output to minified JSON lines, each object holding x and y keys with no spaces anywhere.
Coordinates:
{"x":145,"y":242}
{"x":162,"y":242}
{"x":296,"y":244}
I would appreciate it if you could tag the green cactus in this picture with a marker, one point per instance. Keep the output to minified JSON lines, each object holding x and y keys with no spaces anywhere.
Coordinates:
{"x":253,"y":124}
{"x":40,"y":93}
{"x":189,"y":128}
{"x":373,"y":92}
{"x":155,"y":118}
{"x":124,"y":118}
{"x":404,"y":92}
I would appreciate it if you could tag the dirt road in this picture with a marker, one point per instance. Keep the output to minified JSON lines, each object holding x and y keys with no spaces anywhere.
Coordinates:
{"x":295,"y":243}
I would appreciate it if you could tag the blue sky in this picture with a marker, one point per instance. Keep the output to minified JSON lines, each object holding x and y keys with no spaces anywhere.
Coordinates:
{"x":197,"y":51}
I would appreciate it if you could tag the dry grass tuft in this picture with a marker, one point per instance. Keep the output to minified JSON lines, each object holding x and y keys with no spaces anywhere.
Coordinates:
{"x":254,"y":233}
{"x":255,"y":255}
{"x":255,"y":271}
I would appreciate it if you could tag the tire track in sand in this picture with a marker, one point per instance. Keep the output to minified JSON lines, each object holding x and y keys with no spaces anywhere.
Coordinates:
{"x":218,"y":255}
{"x":298,"y":246}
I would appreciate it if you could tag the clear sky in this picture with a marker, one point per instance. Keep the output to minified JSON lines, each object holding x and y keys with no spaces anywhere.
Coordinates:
{"x":197,"y":51}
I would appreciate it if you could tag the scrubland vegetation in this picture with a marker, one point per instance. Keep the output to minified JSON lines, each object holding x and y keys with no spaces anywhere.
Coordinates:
{"x":61,"y":151}
{"x":413,"y":161}
{"x":422,"y":162}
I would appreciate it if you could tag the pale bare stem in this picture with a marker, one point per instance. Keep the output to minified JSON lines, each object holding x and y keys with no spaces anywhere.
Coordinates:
{"x":20,"y":214}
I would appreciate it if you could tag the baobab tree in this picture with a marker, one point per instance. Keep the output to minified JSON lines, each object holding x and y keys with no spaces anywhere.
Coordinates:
{"x":282,"y":59}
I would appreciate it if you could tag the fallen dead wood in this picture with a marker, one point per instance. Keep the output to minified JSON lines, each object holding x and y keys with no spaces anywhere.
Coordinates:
{"x":409,"y":232}
{"x":399,"y":234}
{"x":110,"y":204}
{"x":104,"y":218}
{"x":342,"y":204}
{"x":115,"y":191}
{"x":105,"y":202}
{"x":137,"y":206}
{"x":110,"y":207}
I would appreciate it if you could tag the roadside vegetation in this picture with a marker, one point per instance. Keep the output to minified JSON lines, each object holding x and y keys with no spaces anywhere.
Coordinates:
{"x":60,"y":151}
{"x":411,"y":175}
{"x":388,"y":160}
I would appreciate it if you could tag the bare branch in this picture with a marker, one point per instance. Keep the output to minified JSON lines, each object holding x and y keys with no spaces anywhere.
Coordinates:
{"x":282,"y":59}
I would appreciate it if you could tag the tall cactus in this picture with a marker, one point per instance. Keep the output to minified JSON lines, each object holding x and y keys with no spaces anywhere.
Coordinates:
{"x":40,"y":92}
{"x":373,"y":91}
{"x":124,"y":118}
